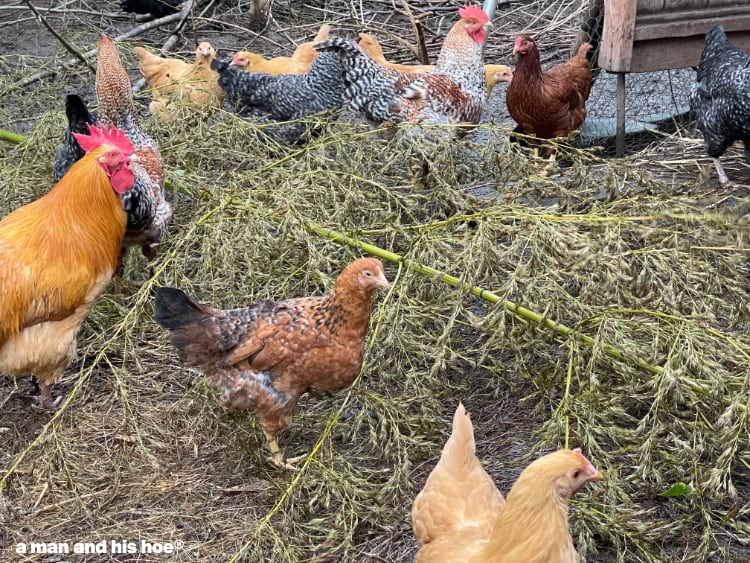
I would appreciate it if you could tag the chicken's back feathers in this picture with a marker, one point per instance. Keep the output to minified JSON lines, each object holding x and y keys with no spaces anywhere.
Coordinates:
{"x":286,"y":97}
{"x":70,"y":151}
{"x":720,"y":99}
{"x":459,"y":496}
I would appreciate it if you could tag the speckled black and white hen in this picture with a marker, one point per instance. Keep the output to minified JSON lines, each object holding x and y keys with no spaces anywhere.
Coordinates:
{"x":282,"y":99}
{"x":720,"y":100}
{"x":454,"y":92}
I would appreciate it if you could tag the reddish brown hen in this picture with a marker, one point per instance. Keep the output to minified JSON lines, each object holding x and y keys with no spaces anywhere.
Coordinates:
{"x":548,"y":104}
{"x":267,"y":355}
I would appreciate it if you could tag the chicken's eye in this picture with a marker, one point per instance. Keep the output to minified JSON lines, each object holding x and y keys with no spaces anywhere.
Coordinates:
{"x":576,"y":474}
{"x":368,"y":273}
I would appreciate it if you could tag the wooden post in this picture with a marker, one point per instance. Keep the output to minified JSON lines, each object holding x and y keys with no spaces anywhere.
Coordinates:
{"x":617,"y":40}
{"x":620,"y":134}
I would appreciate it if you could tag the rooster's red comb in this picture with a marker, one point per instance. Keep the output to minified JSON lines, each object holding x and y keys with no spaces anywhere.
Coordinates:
{"x":471,"y":11}
{"x":103,"y":136}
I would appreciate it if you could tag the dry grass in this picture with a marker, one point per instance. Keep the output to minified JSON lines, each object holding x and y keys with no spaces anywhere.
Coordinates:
{"x":634,"y":255}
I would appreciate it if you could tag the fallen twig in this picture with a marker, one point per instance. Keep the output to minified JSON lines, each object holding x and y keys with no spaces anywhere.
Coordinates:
{"x":128,"y":35}
{"x":422,"y":54}
{"x":69,"y":46}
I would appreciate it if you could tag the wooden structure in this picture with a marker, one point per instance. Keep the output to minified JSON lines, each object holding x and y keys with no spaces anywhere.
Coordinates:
{"x":651,"y":35}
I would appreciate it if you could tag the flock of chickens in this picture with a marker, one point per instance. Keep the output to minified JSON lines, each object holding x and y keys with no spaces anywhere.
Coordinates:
{"x":266,"y":356}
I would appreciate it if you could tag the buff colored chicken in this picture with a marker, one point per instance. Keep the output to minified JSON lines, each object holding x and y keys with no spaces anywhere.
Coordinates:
{"x":298,"y":63}
{"x":173,"y":80}
{"x":370,"y":45}
{"x":459,"y":495}
{"x":459,"y":517}
{"x":266,"y":356}
{"x":57,"y":255}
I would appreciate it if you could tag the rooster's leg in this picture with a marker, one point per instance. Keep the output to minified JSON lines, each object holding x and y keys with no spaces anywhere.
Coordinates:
{"x":723,"y":179}
{"x":45,"y":398}
{"x":277,"y":458}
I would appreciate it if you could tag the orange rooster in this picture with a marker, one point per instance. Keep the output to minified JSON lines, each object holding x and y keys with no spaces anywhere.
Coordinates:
{"x":57,"y":255}
{"x":460,"y":516}
{"x":453,"y":93}
{"x":266,"y":356}
{"x":548,"y":104}
{"x":298,"y":63}
{"x":494,"y":74}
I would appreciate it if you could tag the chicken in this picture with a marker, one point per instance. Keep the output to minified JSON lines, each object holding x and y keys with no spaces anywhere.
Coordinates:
{"x":720,"y":99}
{"x":174,"y":80}
{"x":298,"y":63}
{"x":454,"y":92}
{"x":548,"y":104}
{"x":531,"y":527}
{"x":267,"y":355}
{"x":147,"y":211}
{"x":57,"y":255}
{"x":157,"y":8}
{"x":459,"y":495}
{"x":371,"y":48}
{"x":70,"y":151}
{"x":281,"y":101}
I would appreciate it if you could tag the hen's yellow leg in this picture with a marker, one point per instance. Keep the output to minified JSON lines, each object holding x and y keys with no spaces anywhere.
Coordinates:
{"x":277,"y":458}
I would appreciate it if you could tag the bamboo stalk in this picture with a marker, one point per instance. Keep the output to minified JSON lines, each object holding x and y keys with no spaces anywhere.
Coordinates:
{"x":10,"y":137}
{"x":485,"y":294}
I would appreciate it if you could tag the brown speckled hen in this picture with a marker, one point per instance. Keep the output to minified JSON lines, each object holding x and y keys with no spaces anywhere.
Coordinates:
{"x":267,"y":355}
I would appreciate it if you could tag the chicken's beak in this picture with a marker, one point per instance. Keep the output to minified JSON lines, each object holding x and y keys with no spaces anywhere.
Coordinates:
{"x":382,"y":282}
{"x":488,"y":24}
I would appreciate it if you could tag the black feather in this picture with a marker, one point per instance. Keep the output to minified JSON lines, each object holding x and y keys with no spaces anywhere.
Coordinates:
{"x":173,"y":309}
{"x":70,"y":151}
{"x":157,"y":8}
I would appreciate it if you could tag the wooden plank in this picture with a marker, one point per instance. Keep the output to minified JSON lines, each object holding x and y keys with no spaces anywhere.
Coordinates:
{"x":677,"y":52}
{"x":689,"y":27}
{"x":617,"y":40}
{"x":649,"y":6}
{"x":674,"y":5}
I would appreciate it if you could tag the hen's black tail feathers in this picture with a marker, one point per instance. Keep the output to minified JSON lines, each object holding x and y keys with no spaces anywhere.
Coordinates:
{"x":173,"y":309}
{"x":70,"y":151}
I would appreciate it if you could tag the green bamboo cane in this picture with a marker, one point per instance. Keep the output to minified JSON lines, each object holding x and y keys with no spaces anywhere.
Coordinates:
{"x":485,"y":294}
{"x":10,"y":137}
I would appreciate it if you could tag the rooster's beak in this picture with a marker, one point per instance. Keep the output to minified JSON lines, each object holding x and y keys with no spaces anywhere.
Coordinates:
{"x":488,"y":24}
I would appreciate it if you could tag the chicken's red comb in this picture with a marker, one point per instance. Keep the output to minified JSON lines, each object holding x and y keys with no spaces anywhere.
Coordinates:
{"x":472,"y":11}
{"x":103,"y":136}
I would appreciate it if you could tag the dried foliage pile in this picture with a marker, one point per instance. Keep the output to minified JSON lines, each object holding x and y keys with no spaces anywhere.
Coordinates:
{"x":646,"y":266}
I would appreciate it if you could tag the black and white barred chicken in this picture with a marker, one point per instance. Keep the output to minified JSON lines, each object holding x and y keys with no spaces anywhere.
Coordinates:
{"x":148,"y":213}
{"x":453,"y":93}
{"x":720,"y":100}
{"x":285,"y":99}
